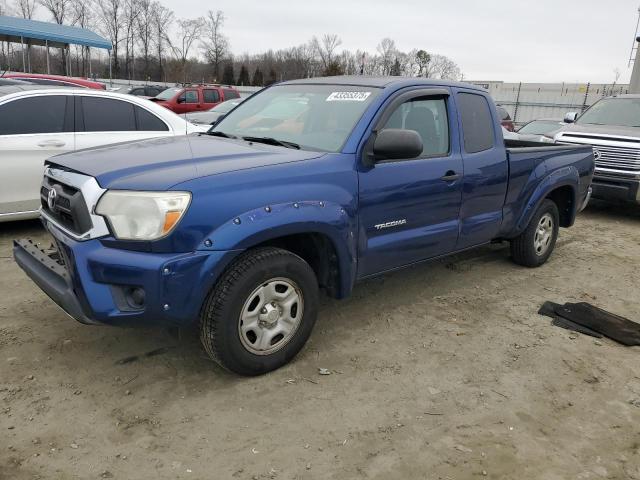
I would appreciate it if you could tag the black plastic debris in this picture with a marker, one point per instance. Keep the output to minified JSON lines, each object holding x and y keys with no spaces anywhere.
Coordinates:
{"x":590,"y":320}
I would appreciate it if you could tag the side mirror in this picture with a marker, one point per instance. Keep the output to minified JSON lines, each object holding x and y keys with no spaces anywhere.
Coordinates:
{"x":570,"y":117}
{"x":397,"y":143}
{"x":181,"y":99}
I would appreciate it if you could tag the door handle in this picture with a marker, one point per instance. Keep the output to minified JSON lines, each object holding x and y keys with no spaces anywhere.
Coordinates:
{"x":51,"y":143}
{"x":450,"y":176}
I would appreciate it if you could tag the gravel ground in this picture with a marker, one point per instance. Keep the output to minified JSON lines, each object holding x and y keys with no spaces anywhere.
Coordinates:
{"x":442,"y":371}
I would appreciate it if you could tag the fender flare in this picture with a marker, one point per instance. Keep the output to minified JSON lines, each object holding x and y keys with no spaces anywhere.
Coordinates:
{"x":251,"y":228}
{"x":562,"y":177}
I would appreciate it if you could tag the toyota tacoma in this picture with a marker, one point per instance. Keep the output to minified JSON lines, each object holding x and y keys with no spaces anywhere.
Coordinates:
{"x":309,"y":185}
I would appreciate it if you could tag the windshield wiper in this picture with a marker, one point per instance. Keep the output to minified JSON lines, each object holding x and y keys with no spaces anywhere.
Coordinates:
{"x":219,"y":134}
{"x":272,"y":141}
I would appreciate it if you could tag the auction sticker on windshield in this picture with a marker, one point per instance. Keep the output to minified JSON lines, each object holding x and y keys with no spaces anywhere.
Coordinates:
{"x":348,"y":96}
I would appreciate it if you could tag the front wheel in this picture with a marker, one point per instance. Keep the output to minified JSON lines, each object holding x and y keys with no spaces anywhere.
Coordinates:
{"x":534,"y":246}
{"x":261,"y":312}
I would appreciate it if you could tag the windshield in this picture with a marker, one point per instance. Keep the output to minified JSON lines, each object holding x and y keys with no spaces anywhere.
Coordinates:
{"x":540,"y":127}
{"x":315,"y":117}
{"x":224,"y":107}
{"x":169,"y":93}
{"x":623,"y":112}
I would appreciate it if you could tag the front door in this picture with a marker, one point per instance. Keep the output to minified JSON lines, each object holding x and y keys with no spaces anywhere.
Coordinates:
{"x":409,"y":208}
{"x":31,"y":130}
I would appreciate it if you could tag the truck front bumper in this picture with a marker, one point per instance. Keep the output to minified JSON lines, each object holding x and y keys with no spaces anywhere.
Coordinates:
{"x":619,"y":189}
{"x":96,"y":284}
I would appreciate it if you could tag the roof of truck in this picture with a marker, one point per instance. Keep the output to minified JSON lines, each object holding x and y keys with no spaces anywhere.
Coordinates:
{"x":380,"y":82}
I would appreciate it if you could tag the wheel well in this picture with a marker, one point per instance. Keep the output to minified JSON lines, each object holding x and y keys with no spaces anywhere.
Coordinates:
{"x":564,"y":199}
{"x":318,"y":251}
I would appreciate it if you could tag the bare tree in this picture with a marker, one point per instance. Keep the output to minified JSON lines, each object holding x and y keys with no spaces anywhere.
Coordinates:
{"x":326,"y":48}
{"x":82,"y":17}
{"x":26,"y":8}
{"x":422,"y":60}
{"x":145,"y":28}
{"x":442,"y":67}
{"x":162,"y":20}
{"x":60,"y":10}
{"x":215,"y":45}
{"x":387,"y":50}
{"x":189,"y":29}
{"x":111,"y":14}
{"x":131,"y":12}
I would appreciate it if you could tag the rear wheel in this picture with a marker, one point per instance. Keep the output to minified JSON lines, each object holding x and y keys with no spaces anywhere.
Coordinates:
{"x":261,"y":312}
{"x":534,"y":246}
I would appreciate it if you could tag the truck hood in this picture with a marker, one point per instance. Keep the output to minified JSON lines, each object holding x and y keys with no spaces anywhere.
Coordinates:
{"x":160,"y":163}
{"x":611,"y":130}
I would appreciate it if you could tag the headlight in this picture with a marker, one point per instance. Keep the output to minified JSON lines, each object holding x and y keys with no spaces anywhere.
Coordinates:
{"x":142,"y":215}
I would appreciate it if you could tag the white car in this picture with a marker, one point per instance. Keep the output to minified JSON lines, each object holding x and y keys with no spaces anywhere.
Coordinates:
{"x":36,"y":123}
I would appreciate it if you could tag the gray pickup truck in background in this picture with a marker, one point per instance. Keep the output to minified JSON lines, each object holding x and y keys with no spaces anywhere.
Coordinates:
{"x":612,"y":127}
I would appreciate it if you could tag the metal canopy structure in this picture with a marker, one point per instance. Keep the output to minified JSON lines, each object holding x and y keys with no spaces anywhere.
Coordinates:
{"x":34,"y":32}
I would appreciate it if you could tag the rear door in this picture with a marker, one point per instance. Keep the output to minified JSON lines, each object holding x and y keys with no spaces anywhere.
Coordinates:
{"x":409,"y":208}
{"x":211,"y":97}
{"x":103,"y":121}
{"x":485,"y":170}
{"x":31,"y":130}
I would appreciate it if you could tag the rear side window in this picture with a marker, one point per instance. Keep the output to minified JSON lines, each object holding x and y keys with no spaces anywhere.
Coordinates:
{"x":107,"y":115}
{"x":211,"y":96}
{"x":42,"y":114}
{"x":229,"y":93}
{"x":477,"y":124}
{"x":148,"y":122}
{"x":137,"y":91}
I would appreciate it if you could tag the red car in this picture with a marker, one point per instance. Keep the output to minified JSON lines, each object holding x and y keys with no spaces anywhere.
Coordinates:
{"x":195,"y":98}
{"x":56,"y":80}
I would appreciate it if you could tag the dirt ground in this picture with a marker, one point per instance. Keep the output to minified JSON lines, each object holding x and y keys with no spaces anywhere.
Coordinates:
{"x":443,"y":371}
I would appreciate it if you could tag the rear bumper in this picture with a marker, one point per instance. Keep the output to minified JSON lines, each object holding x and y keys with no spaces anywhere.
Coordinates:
{"x":92,"y":281}
{"x":619,"y":189}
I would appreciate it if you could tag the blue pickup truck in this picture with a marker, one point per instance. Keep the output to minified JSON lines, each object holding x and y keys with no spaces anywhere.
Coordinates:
{"x":308,"y":185}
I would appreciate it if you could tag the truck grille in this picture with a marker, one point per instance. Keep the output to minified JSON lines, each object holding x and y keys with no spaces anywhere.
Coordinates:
{"x":618,"y":158}
{"x":611,"y":153}
{"x":66,"y":206}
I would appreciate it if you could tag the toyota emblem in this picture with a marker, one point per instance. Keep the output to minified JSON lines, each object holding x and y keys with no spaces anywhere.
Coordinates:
{"x":51,"y":198}
{"x":596,"y":154}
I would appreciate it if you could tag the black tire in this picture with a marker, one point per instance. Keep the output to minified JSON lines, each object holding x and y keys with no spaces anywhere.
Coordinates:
{"x":523,"y":248}
{"x":220,"y":318}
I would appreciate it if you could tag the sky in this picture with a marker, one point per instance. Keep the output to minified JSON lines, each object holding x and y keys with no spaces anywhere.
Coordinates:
{"x":508,"y":40}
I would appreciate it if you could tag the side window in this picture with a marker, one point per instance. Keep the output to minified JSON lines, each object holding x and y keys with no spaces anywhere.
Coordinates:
{"x":107,"y":115}
{"x":152,"y":92}
{"x":211,"y":96}
{"x":42,"y":114}
{"x":477,"y":124}
{"x":137,"y":91}
{"x":428,"y":117}
{"x":229,"y":93}
{"x":148,"y":122}
{"x":191,"y":96}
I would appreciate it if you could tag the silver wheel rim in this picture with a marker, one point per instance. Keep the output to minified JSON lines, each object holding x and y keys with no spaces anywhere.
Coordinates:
{"x":271,"y":316}
{"x":544,"y":234}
